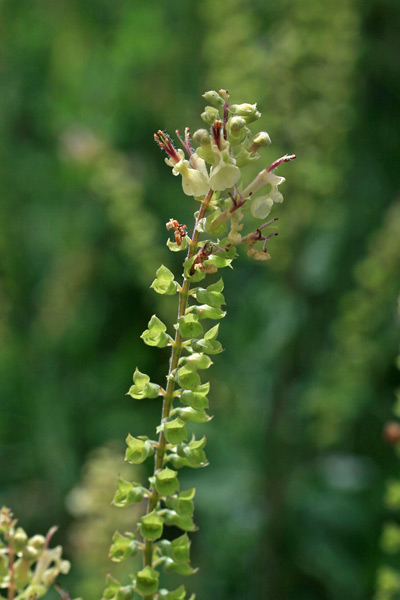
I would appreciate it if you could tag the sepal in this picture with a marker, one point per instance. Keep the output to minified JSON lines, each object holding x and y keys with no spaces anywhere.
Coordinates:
{"x":175,"y":247}
{"x":138,"y":450}
{"x":197,"y":360}
{"x":167,"y":482}
{"x":122,"y":546}
{"x":175,"y":431}
{"x":142,"y":387}
{"x":151,"y":526}
{"x":194,"y":399}
{"x":211,"y":295}
{"x":146,"y":581}
{"x":209,"y":343}
{"x":127,"y":493}
{"x":155,"y":334}
{"x":183,"y":522}
{"x":164,"y":283}
{"x":189,"y":326}
{"x":204,"y":311}
{"x":115,"y":591}
{"x":188,"y":378}
{"x":182,"y":504}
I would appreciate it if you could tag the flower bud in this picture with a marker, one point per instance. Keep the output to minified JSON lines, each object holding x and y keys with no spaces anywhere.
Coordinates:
{"x":201,"y":136}
{"x":224,"y":94}
{"x":214,"y":98}
{"x":210,"y":114}
{"x":247,"y":111}
{"x":236,"y":123}
{"x":19,"y":540}
{"x":30,"y":552}
{"x":37,"y":541}
{"x":261,"y":139}
{"x":3,"y":565}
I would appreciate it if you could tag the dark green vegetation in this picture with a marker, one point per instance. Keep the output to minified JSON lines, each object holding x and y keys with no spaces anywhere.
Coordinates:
{"x":297,"y":465}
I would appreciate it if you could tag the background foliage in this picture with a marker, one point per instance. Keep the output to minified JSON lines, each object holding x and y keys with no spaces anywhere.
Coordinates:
{"x":290,"y":507}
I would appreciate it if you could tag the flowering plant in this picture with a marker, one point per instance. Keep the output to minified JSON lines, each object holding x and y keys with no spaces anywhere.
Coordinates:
{"x":210,"y":165}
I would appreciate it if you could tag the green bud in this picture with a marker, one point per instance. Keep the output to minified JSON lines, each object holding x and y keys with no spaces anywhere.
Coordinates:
{"x":175,"y":431}
{"x":210,"y":296}
{"x":125,"y":592}
{"x":122,"y":546}
{"x":147,"y":581}
{"x":155,"y":334}
{"x":214,"y":98}
{"x":166,"y":482}
{"x":127,"y":493}
{"x":151,"y":526}
{"x":210,"y":115}
{"x":138,"y":450}
{"x":19,"y":540}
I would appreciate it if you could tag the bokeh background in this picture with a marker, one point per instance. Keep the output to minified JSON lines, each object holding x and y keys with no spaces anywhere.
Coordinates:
{"x":290,"y":507}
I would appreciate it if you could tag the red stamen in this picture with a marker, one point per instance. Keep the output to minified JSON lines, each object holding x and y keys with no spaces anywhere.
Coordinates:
{"x":216,"y":132}
{"x":281,"y":160}
{"x":165,"y":143}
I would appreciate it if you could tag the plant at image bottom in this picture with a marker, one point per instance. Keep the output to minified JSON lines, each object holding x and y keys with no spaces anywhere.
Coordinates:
{"x":228,"y":213}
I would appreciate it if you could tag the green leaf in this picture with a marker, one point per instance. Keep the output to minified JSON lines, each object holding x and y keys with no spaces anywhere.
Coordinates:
{"x":204,"y":311}
{"x":166,"y":482}
{"x":185,"y":523}
{"x":147,"y":581}
{"x":151,"y":526}
{"x":155,"y":334}
{"x":189,"y":326}
{"x":122,"y":546}
{"x":127,"y":493}
{"x":197,"y":360}
{"x":174,"y":247}
{"x":138,"y":450}
{"x":187,"y":378}
{"x":164,"y":283}
{"x":178,"y":594}
{"x":175,"y":431}
{"x":194,"y":399}
{"x":142,"y":387}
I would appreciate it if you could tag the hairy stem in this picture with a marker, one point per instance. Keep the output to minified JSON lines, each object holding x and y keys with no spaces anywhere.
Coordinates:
{"x":168,"y":397}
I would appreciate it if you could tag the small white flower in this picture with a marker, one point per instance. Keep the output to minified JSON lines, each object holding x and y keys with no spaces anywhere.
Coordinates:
{"x":194,"y":180}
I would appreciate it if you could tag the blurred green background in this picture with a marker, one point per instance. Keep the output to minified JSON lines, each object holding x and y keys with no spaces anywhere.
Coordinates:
{"x":290,"y":507}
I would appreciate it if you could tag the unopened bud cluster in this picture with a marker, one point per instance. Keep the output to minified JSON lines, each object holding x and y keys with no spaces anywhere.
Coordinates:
{"x":28,"y":567}
{"x":210,"y":164}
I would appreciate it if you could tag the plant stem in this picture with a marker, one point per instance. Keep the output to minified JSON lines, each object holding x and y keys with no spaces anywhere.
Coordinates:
{"x":168,"y":397}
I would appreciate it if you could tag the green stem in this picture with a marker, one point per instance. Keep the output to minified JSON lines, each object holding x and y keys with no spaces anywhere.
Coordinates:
{"x":168,"y":397}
